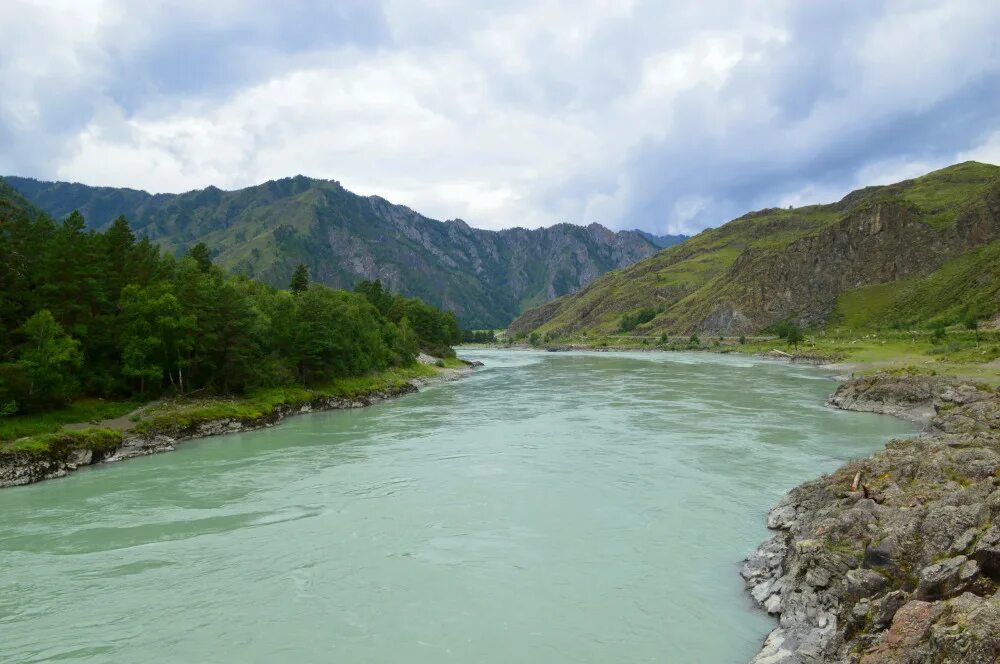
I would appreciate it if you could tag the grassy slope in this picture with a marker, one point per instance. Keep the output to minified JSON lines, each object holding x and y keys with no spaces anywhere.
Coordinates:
{"x":677,"y":272}
{"x":965,"y":286}
{"x":679,"y":281}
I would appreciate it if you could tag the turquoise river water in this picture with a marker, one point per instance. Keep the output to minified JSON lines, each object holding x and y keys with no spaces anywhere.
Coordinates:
{"x":552,"y":507}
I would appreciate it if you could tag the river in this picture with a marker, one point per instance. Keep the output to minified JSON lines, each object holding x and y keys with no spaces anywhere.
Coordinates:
{"x":552,"y":507}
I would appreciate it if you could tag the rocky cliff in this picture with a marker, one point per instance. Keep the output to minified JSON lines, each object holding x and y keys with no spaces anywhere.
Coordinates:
{"x":894,"y":558}
{"x":936,"y":239}
{"x":486,"y":277}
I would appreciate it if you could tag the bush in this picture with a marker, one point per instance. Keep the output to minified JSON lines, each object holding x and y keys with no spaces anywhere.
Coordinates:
{"x":632,"y":321}
{"x":793,"y":334}
{"x":694,"y":340}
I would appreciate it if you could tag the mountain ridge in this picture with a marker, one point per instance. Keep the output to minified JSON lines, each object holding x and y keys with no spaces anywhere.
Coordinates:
{"x":486,"y":277}
{"x":801,"y":265}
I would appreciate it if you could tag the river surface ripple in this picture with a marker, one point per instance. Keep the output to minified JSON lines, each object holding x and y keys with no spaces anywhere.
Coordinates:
{"x":552,"y":507}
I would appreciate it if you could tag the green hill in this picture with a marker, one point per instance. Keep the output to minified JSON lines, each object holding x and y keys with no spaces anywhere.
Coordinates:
{"x":486,"y":277}
{"x":910,"y":253}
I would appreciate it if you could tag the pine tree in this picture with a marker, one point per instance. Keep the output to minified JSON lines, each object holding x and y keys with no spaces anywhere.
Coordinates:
{"x":300,"y":279}
{"x":202,"y":256}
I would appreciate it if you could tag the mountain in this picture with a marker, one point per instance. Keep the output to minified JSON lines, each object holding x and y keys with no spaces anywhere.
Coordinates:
{"x":486,"y":277}
{"x":663,"y":241}
{"x":911,"y":253}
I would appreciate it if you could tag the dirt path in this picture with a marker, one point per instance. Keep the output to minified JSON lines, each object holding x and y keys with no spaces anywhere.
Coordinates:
{"x":121,"y":423}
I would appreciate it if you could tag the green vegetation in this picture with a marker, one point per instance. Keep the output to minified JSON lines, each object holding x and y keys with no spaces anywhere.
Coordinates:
{"x":93,"y":322}
{"x":264,"y":232}
{"x":787,"y":264}
{"x":631,"y":321}
{"x":964,"y":288}
{"x":83,"y":410}
{"x":181,"y":413}
{"x":98,"y":440}
{"x":961,"y":354}
{"x":479,"y":336}
{"x":300,"y":279}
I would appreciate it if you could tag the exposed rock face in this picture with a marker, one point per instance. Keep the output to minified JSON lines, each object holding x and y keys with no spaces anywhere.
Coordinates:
{"x":873,"y":245}
{"x":907,"y":396}
{"x":486,"y":277}
{"x":904,"y":566}
{"x":793,"y":264}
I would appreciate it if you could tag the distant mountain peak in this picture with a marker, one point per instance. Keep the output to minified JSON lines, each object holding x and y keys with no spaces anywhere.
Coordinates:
{"x":486,"y":277}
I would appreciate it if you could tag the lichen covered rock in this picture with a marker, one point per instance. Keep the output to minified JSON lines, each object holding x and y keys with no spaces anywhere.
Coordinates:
{"x":894,"y":557}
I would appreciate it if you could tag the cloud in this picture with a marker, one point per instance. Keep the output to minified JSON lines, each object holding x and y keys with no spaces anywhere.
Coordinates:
{"x":664,"y":116}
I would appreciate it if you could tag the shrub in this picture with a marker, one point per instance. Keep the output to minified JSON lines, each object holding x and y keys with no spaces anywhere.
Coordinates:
{"x":632,"y":321}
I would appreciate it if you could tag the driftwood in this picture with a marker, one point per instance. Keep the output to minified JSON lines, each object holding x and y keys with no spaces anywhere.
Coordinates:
{"x":857,"y":479}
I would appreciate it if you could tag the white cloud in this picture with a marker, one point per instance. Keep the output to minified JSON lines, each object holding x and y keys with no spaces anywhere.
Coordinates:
{"x":668,"y":116}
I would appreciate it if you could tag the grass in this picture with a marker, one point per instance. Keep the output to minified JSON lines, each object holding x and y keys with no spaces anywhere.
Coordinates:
{"x":866,"y":352}
{"x":687,"y":282}
{"x":104,"y":440}
{"x":84,"y":410}
{"x":182,"y":413}
{"x":967,"y":285}
{"x":942,"y":194}
{"x":42,"y":434}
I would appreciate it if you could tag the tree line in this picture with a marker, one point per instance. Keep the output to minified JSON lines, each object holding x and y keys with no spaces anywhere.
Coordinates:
{"x":109,"y":315}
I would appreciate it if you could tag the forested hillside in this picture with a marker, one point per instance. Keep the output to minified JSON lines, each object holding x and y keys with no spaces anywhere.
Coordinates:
{"x":104,"y":314}
{"x":917,"y":253}
{"x":486,"y":277}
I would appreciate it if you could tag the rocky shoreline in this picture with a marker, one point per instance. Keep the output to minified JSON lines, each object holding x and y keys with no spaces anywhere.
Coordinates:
{"x":894,"y":558}
{"x":20,"y":468}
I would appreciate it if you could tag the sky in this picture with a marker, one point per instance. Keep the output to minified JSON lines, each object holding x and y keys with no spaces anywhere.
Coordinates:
{"x":665,"y":116}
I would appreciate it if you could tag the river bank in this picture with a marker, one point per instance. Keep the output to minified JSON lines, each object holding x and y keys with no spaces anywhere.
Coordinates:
{"x":894,"y":557}
{"x":972,"y":355}
{"x":167,"y":424}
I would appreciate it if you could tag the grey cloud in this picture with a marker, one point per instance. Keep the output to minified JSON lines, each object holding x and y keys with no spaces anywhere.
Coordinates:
{"x":809,"y":107}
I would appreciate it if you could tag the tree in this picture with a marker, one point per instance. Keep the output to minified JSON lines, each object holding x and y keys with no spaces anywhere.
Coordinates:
{"x":793,"y":334}
{"x":49,"y":360}
{"x":202,"y":256}
{"x":972,"y":323}
{"x":300,"y":279}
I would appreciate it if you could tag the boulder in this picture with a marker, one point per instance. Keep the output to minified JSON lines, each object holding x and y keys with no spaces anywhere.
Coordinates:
{"x":947,"y":578}
{"x":909,"y":630}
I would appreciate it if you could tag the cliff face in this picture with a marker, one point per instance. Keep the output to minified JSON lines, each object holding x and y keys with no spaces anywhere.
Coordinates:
{"x":486,"y":277}
{"x":883,"y":243}
{"x":777,"y":265}
{"x":894,"y":558}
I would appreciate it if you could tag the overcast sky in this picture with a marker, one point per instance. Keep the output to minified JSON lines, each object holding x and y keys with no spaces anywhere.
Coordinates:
{"x":666,"y":116}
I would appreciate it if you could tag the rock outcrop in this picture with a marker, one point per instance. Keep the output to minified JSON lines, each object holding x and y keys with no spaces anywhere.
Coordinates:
{"x":895,"y":557}
{"x":936,"y":236}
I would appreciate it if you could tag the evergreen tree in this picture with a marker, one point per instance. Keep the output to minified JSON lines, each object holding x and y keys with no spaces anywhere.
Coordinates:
{"x":202,"y":256}
{"x":130,"y":320}
{"x":300,"y":279}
